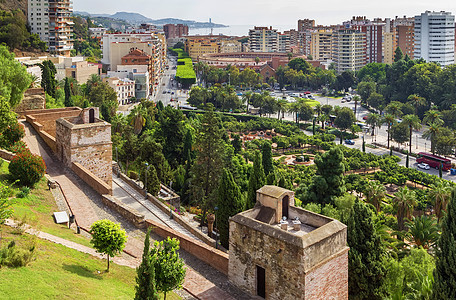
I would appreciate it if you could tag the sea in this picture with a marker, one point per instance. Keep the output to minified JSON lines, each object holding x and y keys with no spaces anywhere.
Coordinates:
{"x":235,"y":30}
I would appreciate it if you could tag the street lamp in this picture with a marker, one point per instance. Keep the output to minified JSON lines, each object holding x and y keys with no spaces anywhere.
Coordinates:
{"x":118,"y":164}
{"x":416,"y":141}
{"x":216,"y":233}
{"x":145,"y":181}
{"x":424,"y":146}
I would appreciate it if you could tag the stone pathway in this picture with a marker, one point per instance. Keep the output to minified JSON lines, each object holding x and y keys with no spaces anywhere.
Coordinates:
{"x":87,"y":206}
{"x":129,"y":196}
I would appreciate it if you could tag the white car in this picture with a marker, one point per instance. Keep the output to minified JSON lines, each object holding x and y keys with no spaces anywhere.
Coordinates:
{"x":424,"y":166}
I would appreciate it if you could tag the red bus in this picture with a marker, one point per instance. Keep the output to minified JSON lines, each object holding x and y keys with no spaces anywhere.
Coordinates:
{"x":434,"y":161}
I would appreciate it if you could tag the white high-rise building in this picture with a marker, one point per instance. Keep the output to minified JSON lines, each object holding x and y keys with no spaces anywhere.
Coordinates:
{"x":434,"y":37}
{"x":38,"y":18}
{"x":51,"y":20}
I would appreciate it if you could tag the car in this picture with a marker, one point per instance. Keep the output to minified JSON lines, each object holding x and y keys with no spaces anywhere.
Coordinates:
{"x":172,"y":93}
{"x":164,"y":92}
{"x":365,"y":118}
{"x":307,"y":93}
{"x":349,"y":142}
{"x":168,"y":92}
{"x":343,"y":101}
{"x":424,"y":166}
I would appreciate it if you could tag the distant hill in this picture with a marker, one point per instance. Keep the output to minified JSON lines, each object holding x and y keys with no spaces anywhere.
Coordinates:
{"x":10,"y":5}
{"x":135,"y":18}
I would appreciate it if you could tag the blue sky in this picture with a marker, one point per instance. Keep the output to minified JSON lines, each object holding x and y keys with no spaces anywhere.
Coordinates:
{"x":265,"y":12}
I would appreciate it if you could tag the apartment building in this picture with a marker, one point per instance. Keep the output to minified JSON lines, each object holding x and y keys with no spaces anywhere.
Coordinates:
{"x":348,"y":48}
{"x":263,"y":39}
{"x":124,"y":87}
{"x":115,"y":46}
{"x":434,"y":37}
{"x":196,"y":46}
{"x":140,"y":65}
{"x":305,"y":27}
{"x":38,"y":18}
{"x":320,"y":44}
{"x":230,"y":46}
{"x":97,"y":32}
{"x":175,"y":30}
{"x":74,"y":67}
{"x":374,"y":36}
{"x":51,"y":20}
{"x":404,"y":30}
{"x":284,"y":42}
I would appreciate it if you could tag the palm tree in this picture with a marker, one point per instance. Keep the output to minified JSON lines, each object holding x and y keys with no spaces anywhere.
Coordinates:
{"x":394,"y":109}
{"x":423,"y":231}
{"x":389,"y":120}
{"x":323,"y":118}
{"x":413,"y":123}
{"x":247,"y":97}
{"x":138,"y":120}
{"x":416,"y":101}
{"x":318,"y":110}
{"x":375,"y":193}
{"x":440,"y":194}
{"x":373,"y":120}
{"x":431,"y":133}
{"x":404,"y":202}
{"x":282,"y":106}
{"x":356,"y":99}
{"x":433,"y":116}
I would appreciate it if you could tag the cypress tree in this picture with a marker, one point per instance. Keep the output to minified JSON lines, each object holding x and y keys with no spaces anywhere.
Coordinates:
{"x":68,"y":99}
{"x":185,"y":191}
{"x":407,"y":160}
{"x":398,"y":55}
{"x":271,"y":179}
{"x":230,"y":202}
{"x":145,"y":275}
{"x":256,"y":180}
{"x":364,"y":145}
{"x":445,"y":272}
{"x":366,"y":269}
{"x":440,"y":170}
{"x":188,"y":144}
{"x":266,"y":152}
{"x":237,"y":143}
{"x":153,"y":183}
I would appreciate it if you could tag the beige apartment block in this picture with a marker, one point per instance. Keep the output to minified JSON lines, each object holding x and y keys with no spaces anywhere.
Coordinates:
{"x":389,"y":46}
{"x":348,"y":49}
{"x":320,"y":45}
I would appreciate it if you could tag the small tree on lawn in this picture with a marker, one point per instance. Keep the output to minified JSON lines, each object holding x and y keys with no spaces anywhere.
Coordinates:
{"x":145,"y":275}
{"x":169,"y":267}
{"x":108,"y":238}
{"x":445,"y":273}
{"x":26,"y":167}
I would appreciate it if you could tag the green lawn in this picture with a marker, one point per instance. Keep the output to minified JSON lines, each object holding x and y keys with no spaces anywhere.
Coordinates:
{"x":57,"y":271}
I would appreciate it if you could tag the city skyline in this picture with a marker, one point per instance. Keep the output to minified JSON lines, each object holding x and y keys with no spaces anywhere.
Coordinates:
{"x":266,"y":12}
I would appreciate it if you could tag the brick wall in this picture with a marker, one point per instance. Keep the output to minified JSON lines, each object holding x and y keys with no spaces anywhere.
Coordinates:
{"x":329,"y":280}
{"x":213,"y":257}
{"x":128,"y":213}
{"x":91,"y":179}
{"x":47,"y":117}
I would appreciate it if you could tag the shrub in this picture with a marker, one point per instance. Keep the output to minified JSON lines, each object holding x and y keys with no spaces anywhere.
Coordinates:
{"x":12,"y":134}
{"x":18,"y":147}
{"x":27,"y":168}
{"x":24,"y":192}
{"x":12,"y":256}
{"x":133,"y":175}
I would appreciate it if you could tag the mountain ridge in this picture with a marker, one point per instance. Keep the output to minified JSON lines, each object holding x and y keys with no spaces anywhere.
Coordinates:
{"x":136,"y":18}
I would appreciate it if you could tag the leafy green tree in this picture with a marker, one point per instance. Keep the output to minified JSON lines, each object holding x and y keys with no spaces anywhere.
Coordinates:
{"x":445,"y":273}
{"x":152,"y":152}
{"x":169,"y":267}
{"x":153,"y":183}
{"x":266,"y":154}
{"x":377,"y":101}
{"x":68,"y":99}
{"x":188,"y":144}
{"x":237,"y":143}
{"x":48,"y":82}
{"x":104,"y":96}
{"x":256,"y":180}
{"x":208,"y":165}
{"x":366,"y":269}
{"x":329,"y":183}
{"x":14,"y":78}
{"x":431,"y":134}
{"x":398,"y":55}
{"x":145,"y":275}
{"x":445,"y":141}
{"x":400,"y":133}
{"x":344,"y":119}
{"x":366,"y":89}
{"x":172,"y":133}
{"x":108,"y":238}
{"x":230,"y":202}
